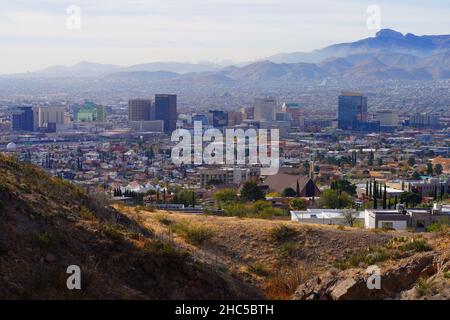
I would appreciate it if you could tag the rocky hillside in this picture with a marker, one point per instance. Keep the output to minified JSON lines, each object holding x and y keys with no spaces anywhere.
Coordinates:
{"x":48,"y":224}
{"x":292,"y":260}
{"x":275,"y":256}
{"x":410,"y":268}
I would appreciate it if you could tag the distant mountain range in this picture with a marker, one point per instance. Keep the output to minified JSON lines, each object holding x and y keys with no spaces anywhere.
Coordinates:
{"x":386,"y":40}
{"x":389,"y":55}
{"x":90,"y":69}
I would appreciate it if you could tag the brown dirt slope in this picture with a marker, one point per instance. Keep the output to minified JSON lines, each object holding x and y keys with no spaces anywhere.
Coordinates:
{"x":47,"y":224}
{"x":276,"y":261}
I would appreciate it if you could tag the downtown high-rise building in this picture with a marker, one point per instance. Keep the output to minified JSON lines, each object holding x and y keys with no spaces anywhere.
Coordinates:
{"x":264,"y":109}
{"x":140,"y":110}
{"x":219,"y":118}
{"x":352,"y":110}
{"x":166,"y":110}
{"x":23,"y":120}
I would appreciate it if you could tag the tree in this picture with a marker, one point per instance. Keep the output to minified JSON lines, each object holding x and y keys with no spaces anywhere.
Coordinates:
{"x":185,"y":197}
{"x":438,"y":169}
{"x":251,"y":192}
{"x":298,"y":204}
{"x":375,"y":194}
{"x":225,"y":195}
{"x":332,"y":199}
{"x":289,"y":192}
{"x":429,"y":169}
{"x":410,"y":198}
{"x":350,"y":217}
{"x":344,"y":185}
{"x":385,"y":198}
{"x":370,"y":160}
{"x":416,"y":175}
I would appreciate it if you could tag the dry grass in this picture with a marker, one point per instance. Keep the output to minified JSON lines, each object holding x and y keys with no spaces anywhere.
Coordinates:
{"x":269,"y":253}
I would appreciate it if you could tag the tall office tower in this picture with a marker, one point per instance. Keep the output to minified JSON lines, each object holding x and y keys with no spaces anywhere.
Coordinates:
{"x":352,"y":110}
{"x":139,"y":109}
{"x":200,"y":117}
{"x":424,"y":120}
{"x":219,"y":118}
{"x":292,"y":110}
{"x":166,"y":110}
{"x":235,"y":118}
{"x":248,"y":113}
{"x":23,"y":121}
{"x":51,"y":116}
{"x":264,"y":109}
{"x":90,"y":112}
{"x":387,"y":117}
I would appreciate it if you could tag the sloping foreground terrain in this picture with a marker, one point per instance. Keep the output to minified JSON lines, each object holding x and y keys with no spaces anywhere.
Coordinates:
{"x":291,"y":260}
{"x":418,"y":270}
{"x":47,"y":224}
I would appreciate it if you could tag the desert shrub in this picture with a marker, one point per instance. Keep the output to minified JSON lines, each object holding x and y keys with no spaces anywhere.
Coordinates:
{"x":258,"y":269}
{"x":87,"y":214}
{"x":423,"y":286}
{"x":366,"y":257}
{"x":441,"y":226}
{"x":163,"y":219}
{"x":235,"y":209}
{"x":282,"y":285}
{"x":194,"y":234}
{"x":446,"y":272}
{"x":358,"y":224}
{"x":416,"y":245}
{"x":289,"y":250}
{"x":165,"y":249}
{"x":112,"y":231}
{"x":283,"y":233}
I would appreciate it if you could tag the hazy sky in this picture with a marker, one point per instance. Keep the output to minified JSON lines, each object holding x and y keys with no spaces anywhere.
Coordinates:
{"x":34,"y":33}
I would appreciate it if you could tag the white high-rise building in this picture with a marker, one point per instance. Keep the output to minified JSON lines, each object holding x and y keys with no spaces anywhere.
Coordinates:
{"x":387,"y":117}
{"x":51,"y":115}
{"x":264,"y":109}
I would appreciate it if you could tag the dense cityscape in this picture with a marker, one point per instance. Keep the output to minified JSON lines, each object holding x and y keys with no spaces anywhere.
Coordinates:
{"x":214,"y":158}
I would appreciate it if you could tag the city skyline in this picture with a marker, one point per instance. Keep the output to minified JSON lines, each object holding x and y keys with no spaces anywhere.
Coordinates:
{"x":36,"y":35}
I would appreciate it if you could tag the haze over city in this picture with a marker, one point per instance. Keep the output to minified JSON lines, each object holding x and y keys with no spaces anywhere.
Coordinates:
{"x":34,"y":34}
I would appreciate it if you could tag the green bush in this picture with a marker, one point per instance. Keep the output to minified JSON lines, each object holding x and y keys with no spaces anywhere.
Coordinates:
{"x":258,"y":269}
{"x":416,"y":245}
{"x":112,"y":231}
{"x":195,"y":234}
{"x":283,"y":233}
{"x":423,"y":286}
{"x":440,"y":226}
{"x":364,"y":257}
{"x":289,"y":250}
{"x":87,"y":214}
{"x":446,"y":273}
{"x":163,"y":219}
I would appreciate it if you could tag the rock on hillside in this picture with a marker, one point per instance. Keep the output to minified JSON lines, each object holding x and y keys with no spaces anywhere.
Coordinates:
{"x":420,"y":275}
